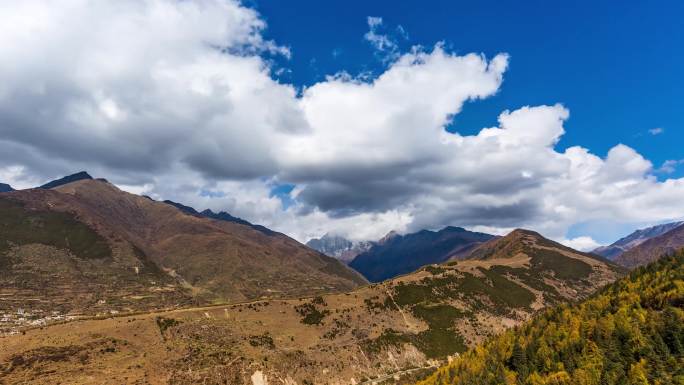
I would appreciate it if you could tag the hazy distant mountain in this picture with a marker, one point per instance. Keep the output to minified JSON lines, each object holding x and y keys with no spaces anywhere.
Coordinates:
{"x":339,"y":247}
{"x":4,"y":187}
{"x":67,"y":179}
{"x":400,"y":254}
{"x":634,"y":239}
{"x":653,"y":248}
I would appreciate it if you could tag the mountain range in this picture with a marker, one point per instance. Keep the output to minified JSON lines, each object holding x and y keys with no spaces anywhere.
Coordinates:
{"x":339,"y":247}
{"x":653,"y":248}
{"x":395,"y":328}
{"x":400,"y":254}
{"x":4,"y":187}
{"x":221,"y":216}
{"x":84,"y":246}
{"x":634,"y":239}
{"x":164,"y":293}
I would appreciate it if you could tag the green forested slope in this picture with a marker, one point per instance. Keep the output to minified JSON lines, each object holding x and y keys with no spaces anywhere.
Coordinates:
{"x":632,"y":332}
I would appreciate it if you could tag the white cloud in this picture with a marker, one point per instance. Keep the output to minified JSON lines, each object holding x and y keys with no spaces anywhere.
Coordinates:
{"x":581,"y":243}
{"x":383,"y":43}
{"x":656,"y":131}
{"x":670,"y":166}
{"x":177,"y":100}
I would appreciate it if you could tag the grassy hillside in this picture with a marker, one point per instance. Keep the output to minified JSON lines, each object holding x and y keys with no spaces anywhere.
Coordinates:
{"x":52,"y":266}
{"x":19,"y":226}
{"x":396,"y":329}
{"x":632,"y":332}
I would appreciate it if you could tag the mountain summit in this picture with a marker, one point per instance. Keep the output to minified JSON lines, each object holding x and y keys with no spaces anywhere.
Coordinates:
{"x":67,"y":179}
{"x":339,"y":247}
{"x":400,"y":254}
{"x":4,"y":187}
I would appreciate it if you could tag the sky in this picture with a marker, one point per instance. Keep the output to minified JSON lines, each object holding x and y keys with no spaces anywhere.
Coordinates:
{"x":354,"y":117}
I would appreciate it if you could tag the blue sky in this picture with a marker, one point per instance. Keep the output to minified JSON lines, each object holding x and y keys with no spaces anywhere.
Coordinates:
{"x":230,"y":105}
{"x":615,"y":65}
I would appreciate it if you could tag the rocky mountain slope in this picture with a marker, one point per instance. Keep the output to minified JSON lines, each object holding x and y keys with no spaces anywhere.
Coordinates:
{"x":634,"y":239}
{"x":400,"y":254}
{"x":4,"y":187}
{"x":653,"y":248}
{"x":631,"y":333}
{"x":339,"y":247}
{"x":398,"y":328}
{"x":88,"y":247}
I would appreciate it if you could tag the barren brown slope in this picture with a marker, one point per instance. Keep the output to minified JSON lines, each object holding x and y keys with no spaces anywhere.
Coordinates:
{"x":653,"y":248}
{"x":230,"y":260}
{"x":54,"y":266}
{"x":198,"y":258}
{"x":378,"y":331}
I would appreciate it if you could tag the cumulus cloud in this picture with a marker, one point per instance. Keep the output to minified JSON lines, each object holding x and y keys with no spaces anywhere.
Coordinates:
{"x":177,"y":100}
{"x":583,"y":243}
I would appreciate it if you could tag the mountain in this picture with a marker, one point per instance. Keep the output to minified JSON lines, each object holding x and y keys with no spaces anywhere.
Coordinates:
{"x":4,"y":187}
{"x":400,"y":254}
{"x":653,"y":248}
{"x":394,"y":329}
{"x":88,"y":247}
{"x":222,"y":216}
{"x":547,"y":260}
{"x":339,"y":247}
{"x":55,"y":264}
{"x":634,"y":239}
{"x":630,"y":333}
{"x":67,"y":179}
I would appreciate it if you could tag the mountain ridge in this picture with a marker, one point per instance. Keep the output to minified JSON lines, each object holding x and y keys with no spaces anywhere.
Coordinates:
{"x":192,"y":259}
{"x":653,"y":248}
{"x":399,"y":254}
{"x":82,"y":175}
{"x":339,"y":247}
{"x":634,"y":239}
{"x":4,"y":187}
{"x":221,"y":216}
